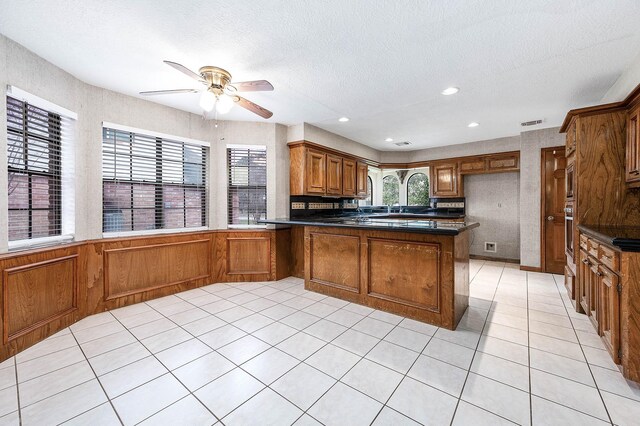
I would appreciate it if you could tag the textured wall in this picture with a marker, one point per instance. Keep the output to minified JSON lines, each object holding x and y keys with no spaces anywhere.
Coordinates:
{"x":21,"y":68}
{"x":530,"y":190}
{"x":493,"y":200}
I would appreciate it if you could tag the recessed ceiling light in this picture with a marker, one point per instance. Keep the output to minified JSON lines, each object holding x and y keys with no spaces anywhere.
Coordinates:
{"x":388,"y":140}
{"x":473,"y":124}
{"x":343,"y":119}
{"x":450,"y":91}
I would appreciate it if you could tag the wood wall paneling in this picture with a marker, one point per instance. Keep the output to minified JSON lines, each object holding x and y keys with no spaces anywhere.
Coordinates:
{"x":133,"y":270}
{"x":35,"y":294}
{"x":248,"y":255}
{"x":297,"y":251}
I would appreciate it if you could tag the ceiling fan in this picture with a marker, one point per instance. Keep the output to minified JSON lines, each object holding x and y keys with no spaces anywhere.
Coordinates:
{"x":220,"y":93}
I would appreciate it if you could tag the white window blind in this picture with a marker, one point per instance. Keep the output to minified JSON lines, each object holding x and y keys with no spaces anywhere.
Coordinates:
{"x":247,"y":189}
{"x":152,"y":183}
{"x":38,"y":141}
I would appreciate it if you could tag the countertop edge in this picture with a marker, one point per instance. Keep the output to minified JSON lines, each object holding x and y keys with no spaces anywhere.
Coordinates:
{"x":624,"y":244}
{"x":434,"y":231}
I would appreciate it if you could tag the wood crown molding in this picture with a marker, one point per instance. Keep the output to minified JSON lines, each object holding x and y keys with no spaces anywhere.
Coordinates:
{"x":631,"y":100}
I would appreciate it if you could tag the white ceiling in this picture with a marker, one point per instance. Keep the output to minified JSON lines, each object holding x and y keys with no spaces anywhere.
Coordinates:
{"x":380,"y":63}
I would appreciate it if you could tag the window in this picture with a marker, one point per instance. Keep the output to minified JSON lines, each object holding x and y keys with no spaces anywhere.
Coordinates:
{"x":390,"y":190}
{"x":151,"y":182}
{"x":369,"y":199}
{"x":36,"y":139}
{"x":418,"y":190}
{"x":247,"y":201}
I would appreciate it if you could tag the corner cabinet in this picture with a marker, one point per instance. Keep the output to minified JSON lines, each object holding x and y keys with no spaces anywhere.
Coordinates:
{"x":445,"y":180}
{"x":632,"y":154}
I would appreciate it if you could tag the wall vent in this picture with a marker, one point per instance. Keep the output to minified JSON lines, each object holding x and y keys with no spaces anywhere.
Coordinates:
{"x":531,"y":123}
{"x":405,"y":143}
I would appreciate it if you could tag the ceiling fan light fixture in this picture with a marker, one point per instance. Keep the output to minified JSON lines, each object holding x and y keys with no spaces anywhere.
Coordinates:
{"x":224,"y":104}
{"x":207,"y":101}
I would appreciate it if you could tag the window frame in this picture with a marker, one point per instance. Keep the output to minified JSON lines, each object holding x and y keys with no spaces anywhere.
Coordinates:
{"x":409,"y":180}
{"x":398,"y":182}
{"x":229,"y":186}
{"x":63,"y":173}
{"x":158,"y":184}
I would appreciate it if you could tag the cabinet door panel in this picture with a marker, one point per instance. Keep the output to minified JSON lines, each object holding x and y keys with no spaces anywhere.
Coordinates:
{"x":444,"y":181}
{"x":349,"y":177}
{"x":501,"y":163}
{"x":609,"y":305}
{"x":595,"y":284}
{"x":583,"y":282}
{"x":334,"y":175}
{"x":362,"y":181}
{"x":315,"y":172}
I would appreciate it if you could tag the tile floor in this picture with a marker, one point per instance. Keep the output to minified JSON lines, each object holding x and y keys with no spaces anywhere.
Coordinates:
{"x":273,"y":353}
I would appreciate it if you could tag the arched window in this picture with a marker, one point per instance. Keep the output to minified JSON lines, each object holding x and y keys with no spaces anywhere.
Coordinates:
{"x":418,"y":190}
{"x":369,"y":199}
{"x":390,"y":190}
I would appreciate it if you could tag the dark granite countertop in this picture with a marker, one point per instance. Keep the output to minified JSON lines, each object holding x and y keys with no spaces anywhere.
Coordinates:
{"x":626,"y":238}
{"x":381,"y":223}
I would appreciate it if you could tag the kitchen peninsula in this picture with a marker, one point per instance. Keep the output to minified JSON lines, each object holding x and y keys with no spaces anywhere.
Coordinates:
{"x":412,"y":267}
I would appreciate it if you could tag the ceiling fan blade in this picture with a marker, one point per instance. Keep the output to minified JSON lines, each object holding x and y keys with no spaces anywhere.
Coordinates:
{"x":254,"y":108}
{"x":253,"y":86}
{"x":185,"y":71}
{"x":168,"y":92}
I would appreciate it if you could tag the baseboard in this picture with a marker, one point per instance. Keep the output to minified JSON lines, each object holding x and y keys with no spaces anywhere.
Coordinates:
{"x":530,"y":268}
{"x":494,"y":259}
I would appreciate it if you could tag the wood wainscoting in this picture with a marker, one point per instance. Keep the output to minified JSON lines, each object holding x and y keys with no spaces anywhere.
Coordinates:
{"x":46,"y":290}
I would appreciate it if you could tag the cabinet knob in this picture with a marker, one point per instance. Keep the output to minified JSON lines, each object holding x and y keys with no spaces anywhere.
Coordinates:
{"x":550,"y":218}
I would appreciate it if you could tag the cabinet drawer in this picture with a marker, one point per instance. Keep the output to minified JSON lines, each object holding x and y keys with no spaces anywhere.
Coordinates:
{"x":610,"y":258}
{"x":584,"y":242}
{"x":593,"y":248}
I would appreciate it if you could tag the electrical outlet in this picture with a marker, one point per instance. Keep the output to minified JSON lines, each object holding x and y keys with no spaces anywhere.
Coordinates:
{"x":490,"y":247}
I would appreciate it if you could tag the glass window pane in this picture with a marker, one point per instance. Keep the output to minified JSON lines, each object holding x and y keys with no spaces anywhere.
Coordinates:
{"x":418,"y":190}
{"x":390,"y":191}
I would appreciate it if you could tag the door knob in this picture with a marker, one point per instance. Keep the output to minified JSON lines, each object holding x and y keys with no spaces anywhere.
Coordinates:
{"x":550,"y":218}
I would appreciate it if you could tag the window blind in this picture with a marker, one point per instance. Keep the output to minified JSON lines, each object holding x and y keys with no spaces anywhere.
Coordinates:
{"x":36,"y":140}
{"x":152,"y":182}
{"x":247,"y":189}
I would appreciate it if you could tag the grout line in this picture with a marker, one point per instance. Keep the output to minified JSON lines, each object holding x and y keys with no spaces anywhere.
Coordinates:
{"x":99,"y":383}
{"x":585,"y":358}
{"x":526,"y":278}
{"x":15,"y":366}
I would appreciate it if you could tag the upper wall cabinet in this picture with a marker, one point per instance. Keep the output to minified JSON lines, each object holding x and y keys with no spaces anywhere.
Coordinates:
{"x":334,"y":175}
{"x":349,"y":177}
{"x":572,"y":138}
{"x":316,"y":171}
{"x":491,"y":163}
{"x":445,"y":181}
{"x":362,"y":180}
{"x":633,"y":148}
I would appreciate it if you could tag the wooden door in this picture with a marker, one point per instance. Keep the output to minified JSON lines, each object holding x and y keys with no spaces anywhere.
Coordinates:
{"x":349,"y":177}
{"x":334,"y":175}
{"x":315,"y":172}
{"x":444,"y":180}
{"x":610,"y":313}
{"x":583,"y":281}
{"x":554,"y":190}
{"x":362,"y":180}
{"x":632,"y":152}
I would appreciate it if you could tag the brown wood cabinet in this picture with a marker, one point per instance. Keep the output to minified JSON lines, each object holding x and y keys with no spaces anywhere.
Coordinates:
{"x":349,"y":177}
{"x":445,"y":181}
{"x":334,"y":175}
{"x":632,"y":162}
{"x":362,"y":180}
{"x":571,"y":140}
{"x":473,"y":165}
{"x":314,"y":170}
{"x":503,"y":163}
{"x":600,"y":292}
